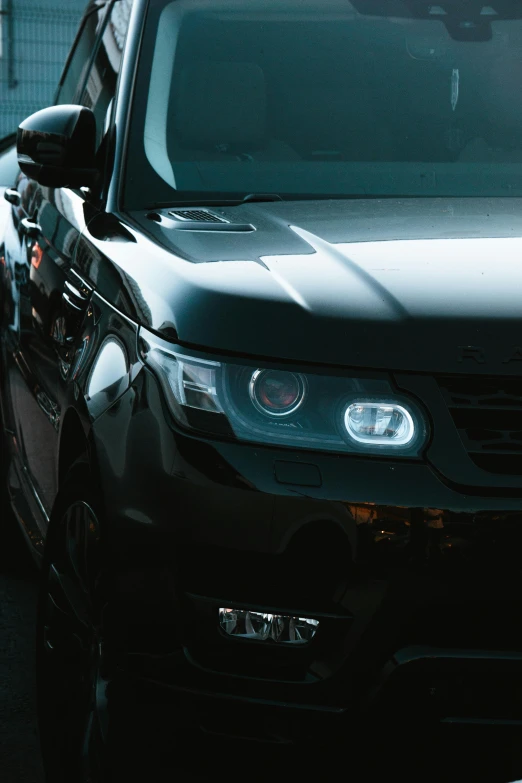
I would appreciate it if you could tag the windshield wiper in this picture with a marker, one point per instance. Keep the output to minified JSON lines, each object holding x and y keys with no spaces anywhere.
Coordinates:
{"x":212,"y":201}
{"x":259,"y":198}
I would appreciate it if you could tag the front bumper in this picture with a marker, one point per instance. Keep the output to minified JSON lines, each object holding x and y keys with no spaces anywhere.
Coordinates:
{"x":417,"y":587}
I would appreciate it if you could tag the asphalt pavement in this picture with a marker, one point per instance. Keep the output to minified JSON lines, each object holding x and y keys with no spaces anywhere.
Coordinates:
{"x":19,"y":749}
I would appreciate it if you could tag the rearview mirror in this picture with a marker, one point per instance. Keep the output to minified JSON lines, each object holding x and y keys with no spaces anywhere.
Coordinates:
{"x":56,"y":147}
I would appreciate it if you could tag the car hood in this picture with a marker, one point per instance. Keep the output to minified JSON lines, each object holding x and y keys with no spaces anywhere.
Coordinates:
{"x":417,"y":284}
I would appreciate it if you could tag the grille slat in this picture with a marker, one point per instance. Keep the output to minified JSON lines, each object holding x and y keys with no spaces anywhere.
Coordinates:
{"x":488,"y":416}
{"x":505,"y":464}
{"x":491,"y":419}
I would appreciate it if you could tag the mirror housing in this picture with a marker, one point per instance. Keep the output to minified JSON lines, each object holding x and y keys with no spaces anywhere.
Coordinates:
{"x":56,"y":147}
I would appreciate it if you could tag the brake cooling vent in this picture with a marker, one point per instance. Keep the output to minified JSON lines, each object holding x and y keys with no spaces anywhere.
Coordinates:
{"x":196,"y":216}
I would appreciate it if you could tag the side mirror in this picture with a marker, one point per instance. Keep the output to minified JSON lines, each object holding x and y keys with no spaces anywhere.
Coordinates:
{"x":56,"y":147}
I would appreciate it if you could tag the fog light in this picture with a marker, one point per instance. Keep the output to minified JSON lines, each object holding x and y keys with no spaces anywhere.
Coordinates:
{"x":261,"y":626}
{"x":379,"y":423}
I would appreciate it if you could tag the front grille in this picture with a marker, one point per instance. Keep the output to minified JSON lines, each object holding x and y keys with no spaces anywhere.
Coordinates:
{"x":197,"y":216}
{"x":488,"y":415}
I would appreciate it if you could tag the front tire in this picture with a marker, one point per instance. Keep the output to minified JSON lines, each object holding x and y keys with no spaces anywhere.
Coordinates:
{"x":73,"y":677}
{"x":14,"y":553}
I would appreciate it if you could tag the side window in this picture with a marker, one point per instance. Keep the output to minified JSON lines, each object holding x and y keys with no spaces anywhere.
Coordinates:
{"x":80,"y":58}
{"x":100,"y":89}
{"x":8,"y":167}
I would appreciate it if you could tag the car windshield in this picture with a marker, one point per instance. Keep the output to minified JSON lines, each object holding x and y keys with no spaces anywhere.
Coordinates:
{"x":326,"y":99}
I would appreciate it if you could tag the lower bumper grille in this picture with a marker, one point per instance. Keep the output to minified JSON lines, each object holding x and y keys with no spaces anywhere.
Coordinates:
{"x":488,"y":415}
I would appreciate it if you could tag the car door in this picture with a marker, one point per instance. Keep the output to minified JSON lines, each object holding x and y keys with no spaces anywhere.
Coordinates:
{"x":47,"y":297}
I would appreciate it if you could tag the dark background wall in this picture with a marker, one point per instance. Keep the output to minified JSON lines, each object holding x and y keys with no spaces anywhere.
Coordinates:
{"x":36,"y":38}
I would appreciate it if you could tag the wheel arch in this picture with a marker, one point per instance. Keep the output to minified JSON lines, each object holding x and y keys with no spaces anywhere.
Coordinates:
{"x":74,"y":443}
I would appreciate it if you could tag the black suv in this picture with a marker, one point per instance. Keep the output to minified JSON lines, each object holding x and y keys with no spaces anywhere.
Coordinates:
{"x":261,"y":382}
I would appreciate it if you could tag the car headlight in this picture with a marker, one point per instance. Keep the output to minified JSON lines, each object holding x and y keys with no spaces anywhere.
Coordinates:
{"x":277,"y":393}
{"x":327,"y":412}
{"x":381,"y":423}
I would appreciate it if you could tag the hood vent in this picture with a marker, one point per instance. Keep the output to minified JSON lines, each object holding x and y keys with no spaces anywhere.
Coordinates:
{"x":196,"y":216}
{"x":203,"y":220}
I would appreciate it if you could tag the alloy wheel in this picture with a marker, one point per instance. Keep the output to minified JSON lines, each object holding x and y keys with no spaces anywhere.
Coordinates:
{"x":72,"y":648}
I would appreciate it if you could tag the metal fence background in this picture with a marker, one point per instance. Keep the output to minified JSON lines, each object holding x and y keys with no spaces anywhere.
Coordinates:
{"x":36,"y":38}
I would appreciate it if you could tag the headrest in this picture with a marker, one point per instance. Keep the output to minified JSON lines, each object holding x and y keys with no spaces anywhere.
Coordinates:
{"x":221,"y":104}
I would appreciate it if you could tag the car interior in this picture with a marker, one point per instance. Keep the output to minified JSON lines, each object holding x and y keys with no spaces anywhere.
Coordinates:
{"x":361,"y":89}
